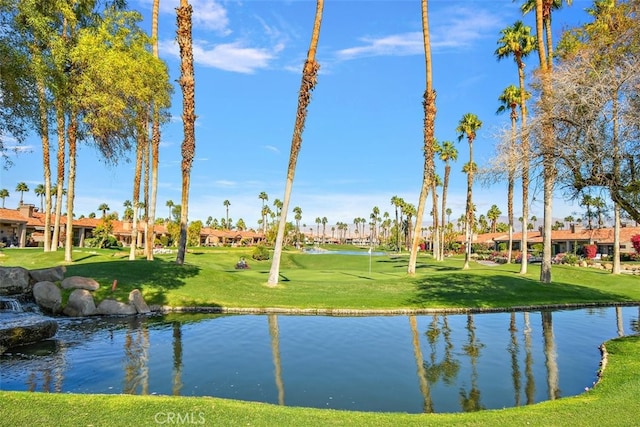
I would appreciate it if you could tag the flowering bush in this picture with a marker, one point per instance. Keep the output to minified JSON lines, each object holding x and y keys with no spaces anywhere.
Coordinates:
{"x":590,"y":251}
{"x":635,"y":241}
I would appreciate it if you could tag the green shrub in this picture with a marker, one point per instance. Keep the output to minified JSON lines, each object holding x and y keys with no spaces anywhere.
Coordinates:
{"x":570,"y":259}
{"x":536,"y":250}
{"x":260,"y":253}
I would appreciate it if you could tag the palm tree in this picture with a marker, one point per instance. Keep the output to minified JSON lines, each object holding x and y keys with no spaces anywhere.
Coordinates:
{"x":263,"y":212}
{"x":318,"y":221}
{"x":395,"y":202}
{"x":510,"y":99}
{"x":546,"y":9}
{"x":72,"y":140}
{"x":324,"y":222}
{"x":468,"y":126}
{"x":518,"y":42}
{"x":141,"y":141}
{"x":170,"y":205}
{"x":104,"y":208}
{"x":226,"y":204}
{"x":277,"y":203}
{"x":429,"y":106}
{"x":298,"y":217}
{"x":188,"y":116}
{"x":309,"y":80}
{"x":155,"y":142}
{"x":543,"y":9}
{"x":4,"y":193}
{"x":40,"y":192}
{"x":128,"y":210}
{"x":447,"y":153}
{"x":493,"y":214}
{"x":22,"y":188}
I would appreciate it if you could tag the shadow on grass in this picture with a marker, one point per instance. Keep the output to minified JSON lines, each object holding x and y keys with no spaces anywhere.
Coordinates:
{"x":83,"y":258}
{"x":357,"y":275}
{"x":156,"y":276}
{"x":501,"y":290}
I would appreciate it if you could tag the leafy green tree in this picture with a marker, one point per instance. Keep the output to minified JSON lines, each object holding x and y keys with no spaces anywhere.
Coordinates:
{"x":195,"y":228}
{"x":18,"y":106}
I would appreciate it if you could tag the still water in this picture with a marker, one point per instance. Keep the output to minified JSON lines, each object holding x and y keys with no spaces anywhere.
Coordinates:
{"x":434,"y":363}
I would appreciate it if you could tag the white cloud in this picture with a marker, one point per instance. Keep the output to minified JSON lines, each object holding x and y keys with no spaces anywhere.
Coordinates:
{"x":233,"y":56}
{"x":207,"y":14}
{"x":453,"y":28}
{"x":394,"y":45}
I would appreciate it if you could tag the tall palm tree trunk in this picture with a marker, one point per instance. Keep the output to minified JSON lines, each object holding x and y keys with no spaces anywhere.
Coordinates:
{"x":187,"y":83}
{"x":72,"y":137}
{"x":548,"y":161}
{"x":309,"y":80}
{"x":469,"y":211}
{"x":511,"y":183}
{"x":436,"y":226}
{"x":445,"y":186}
{"x":155,"y":144}
{"x":525,"y":171}
{"x":146,"y":164}
{"x":141,"y":139}
{"x":429,"y":106}
{"x":46,"y":161}
{"x":55,"y":241}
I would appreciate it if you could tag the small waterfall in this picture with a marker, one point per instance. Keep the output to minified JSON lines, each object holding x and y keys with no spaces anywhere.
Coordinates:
{"x":10,"y":305}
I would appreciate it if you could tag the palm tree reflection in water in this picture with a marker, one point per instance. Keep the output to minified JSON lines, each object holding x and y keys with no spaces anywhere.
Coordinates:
{"x":275,"y":351}
{"x":136,"y":350}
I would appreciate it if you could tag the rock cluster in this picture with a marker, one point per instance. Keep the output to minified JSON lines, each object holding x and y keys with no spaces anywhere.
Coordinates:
{"x":45,"y":287}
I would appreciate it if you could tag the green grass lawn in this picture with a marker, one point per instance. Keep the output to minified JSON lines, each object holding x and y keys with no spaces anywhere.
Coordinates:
{"x":345,"y":282}
{"x":357,"y":282}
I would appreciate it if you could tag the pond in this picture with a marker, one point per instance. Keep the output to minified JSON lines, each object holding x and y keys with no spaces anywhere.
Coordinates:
{"x":414,"y":364}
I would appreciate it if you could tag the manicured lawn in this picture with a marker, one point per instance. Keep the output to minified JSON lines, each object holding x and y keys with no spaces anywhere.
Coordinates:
{"x":331,"y":281}
{"x":356,"y":282}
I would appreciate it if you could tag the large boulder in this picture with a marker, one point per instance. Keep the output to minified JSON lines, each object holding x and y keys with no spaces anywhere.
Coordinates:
{"x":54,"y":274}
{"x":136,"y":300}
{"x":14,"y":280}
{"x":80,"y":304}
{"x":78,"y":282}
{"x":112,"y":307}
{"x":48,"y":296}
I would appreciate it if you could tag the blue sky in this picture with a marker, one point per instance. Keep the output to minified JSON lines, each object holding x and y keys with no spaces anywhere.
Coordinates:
{"x":363,"y":140}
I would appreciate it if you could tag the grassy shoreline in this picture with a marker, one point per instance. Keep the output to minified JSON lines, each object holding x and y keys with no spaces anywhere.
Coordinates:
{"x":333,"y":285}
